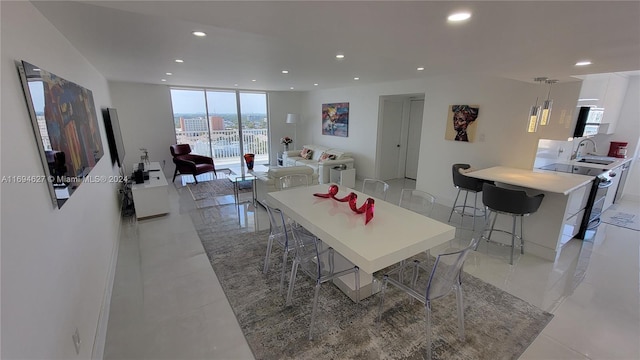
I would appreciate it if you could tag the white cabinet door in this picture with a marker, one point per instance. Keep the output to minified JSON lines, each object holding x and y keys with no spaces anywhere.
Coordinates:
{"x":391,"y":139}
{"x":413,"y":140}
{"x":611,"y":193}
{"x":616,"y":91}
{"x":605,"y":93}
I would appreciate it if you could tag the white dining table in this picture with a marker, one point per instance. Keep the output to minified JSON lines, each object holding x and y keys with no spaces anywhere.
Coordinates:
{"x":394,"y":234}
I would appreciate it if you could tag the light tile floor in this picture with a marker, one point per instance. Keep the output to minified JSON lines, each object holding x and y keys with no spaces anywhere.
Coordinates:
{"x":167,"y":302}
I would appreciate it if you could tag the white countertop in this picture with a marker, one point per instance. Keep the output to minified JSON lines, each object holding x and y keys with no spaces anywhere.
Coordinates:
{"x":616,"y":162}
{"x":543,"y":180}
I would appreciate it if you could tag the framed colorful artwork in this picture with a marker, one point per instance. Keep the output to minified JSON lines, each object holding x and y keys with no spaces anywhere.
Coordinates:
{"x":461,"y":123}
{"x":65,"y":124}
{"x":335,"y":119}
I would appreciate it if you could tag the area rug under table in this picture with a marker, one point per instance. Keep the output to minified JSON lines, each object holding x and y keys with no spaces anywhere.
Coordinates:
{"x":498,"y":325}
{"x":217,"y":192}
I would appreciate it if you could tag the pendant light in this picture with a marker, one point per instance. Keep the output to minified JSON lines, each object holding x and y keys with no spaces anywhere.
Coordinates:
{"x":545,"y":112}
{"x":532,"y":124}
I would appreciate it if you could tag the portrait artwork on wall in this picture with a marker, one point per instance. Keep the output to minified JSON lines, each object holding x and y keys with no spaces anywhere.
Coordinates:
{"x":461,"y":123}
{"x":335,"y":119}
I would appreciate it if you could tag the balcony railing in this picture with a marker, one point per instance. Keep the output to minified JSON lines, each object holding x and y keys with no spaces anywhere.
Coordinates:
{"x":224,"y":145}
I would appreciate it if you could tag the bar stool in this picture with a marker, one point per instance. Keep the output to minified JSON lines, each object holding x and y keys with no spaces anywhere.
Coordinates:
{"x":515,"y":203}
{"x":466,"y":184}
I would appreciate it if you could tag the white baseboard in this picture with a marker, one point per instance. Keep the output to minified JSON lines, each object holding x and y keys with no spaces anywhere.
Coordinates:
{"x":100,"y":338}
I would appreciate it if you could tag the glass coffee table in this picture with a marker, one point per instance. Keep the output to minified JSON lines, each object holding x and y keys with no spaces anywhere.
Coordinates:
{"x":237,"y":179}
{"x":239,"y":175}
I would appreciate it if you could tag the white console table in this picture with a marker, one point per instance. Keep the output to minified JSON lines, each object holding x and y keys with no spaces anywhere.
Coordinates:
{"x":151,"y":198}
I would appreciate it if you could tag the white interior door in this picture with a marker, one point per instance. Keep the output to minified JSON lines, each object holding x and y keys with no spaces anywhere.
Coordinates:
{"x":413,"y":140}
{"x":390,"y":139}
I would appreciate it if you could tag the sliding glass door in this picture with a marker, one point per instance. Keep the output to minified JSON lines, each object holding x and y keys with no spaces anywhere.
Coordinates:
{"x":222,"y":124}
{"x":255,"y":125}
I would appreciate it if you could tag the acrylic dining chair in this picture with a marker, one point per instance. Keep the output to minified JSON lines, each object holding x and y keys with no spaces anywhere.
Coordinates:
{"x":318,"y":263}
{"x":376,"y":188}
{"x":444,"y":278}
{"x":281,"y":235}
{"x":420,"y":202}
{"x":293,"y":180}
{"x":417,"y":201}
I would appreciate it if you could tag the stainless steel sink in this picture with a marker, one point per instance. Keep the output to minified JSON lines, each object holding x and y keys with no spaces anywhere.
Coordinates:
{"x":596,"y":161}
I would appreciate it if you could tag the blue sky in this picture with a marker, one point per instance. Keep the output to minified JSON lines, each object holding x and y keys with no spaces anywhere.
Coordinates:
{"x":37,"y":95}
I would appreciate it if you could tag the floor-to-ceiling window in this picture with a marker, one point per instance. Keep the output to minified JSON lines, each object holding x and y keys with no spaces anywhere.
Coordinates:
{"x":223,"y":124}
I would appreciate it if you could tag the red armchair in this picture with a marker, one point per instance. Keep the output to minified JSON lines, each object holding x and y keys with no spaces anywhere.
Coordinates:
{"x":187,"y":163}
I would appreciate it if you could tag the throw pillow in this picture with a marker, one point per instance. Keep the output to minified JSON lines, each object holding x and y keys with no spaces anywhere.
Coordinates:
{"x":306,"y":153}
{"x":326,"y":156}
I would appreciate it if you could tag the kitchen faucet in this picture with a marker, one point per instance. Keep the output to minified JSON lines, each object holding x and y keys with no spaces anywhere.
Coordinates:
{"x":575,"y":154}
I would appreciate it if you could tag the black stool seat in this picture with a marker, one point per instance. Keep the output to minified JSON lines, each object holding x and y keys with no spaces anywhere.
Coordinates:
{"x":469,"y":185}
{"x":463,"y":181}
{"x":509,"y":202}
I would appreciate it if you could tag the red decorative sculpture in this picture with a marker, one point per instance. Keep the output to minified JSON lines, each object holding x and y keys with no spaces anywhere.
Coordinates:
{"x":352,"y":198}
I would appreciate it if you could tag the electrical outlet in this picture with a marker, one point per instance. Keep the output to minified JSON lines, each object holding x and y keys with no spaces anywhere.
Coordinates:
{"x":76,"y":341}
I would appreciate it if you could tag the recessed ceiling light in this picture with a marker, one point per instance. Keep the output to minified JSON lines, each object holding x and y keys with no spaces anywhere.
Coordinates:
{"x":254,"y":80}
{"x":291,"y":88}
{"x":420,"y":68}
{"x":583,"y":63}
{"x":340,"y":56}
{"x":356,"y":78}
{"x":459,"y":16}
{"x":169,"y":74}
{"x":179,"y":60}
{"x":199,"y":33}
{"x":163,"y":79}
{"x":588,"y":99}
{"x":235,"y":84}
{"x":285,"y":71}
{"x":316,"y":84}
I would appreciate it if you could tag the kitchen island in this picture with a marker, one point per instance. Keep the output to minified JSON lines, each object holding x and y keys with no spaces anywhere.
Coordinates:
{"x":559,"y":217}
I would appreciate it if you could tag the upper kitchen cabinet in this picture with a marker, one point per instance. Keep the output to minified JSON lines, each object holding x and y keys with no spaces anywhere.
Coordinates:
{"x":604,"y":93}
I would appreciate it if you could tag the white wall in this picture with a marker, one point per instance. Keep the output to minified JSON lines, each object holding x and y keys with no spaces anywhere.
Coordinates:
{"x":55,"y":263}
{"x":146,"y":121}
{"x":501,"y":136}
{"x":282,"y":103}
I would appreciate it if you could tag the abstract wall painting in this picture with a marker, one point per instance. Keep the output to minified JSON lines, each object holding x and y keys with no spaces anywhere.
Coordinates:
{"x":63,"y":116}
{"x":335,"y":119}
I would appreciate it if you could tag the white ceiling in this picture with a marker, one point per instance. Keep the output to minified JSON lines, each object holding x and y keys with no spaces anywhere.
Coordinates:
{"x":382,"y":40}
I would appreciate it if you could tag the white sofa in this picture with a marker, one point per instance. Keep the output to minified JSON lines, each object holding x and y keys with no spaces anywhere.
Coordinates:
{"x":293,"y":158}
{"x":266,"y":181}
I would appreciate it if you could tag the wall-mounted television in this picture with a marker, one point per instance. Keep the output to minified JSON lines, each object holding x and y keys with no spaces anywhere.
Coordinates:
{"x":114,"y":135}
{"x":65,"y":125}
